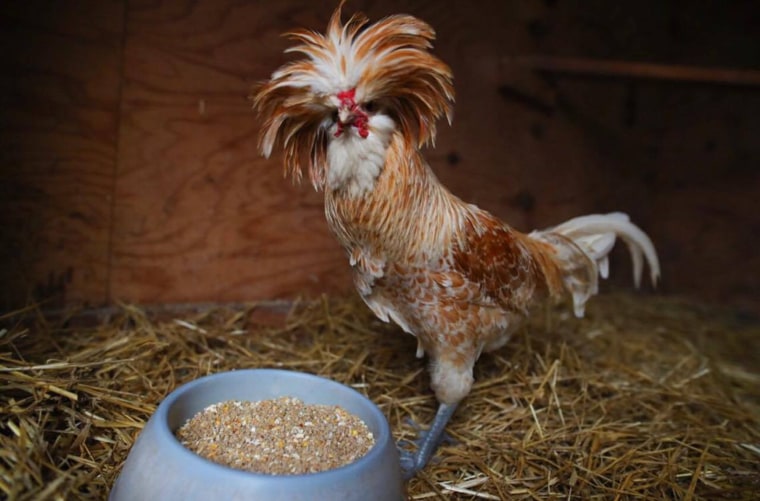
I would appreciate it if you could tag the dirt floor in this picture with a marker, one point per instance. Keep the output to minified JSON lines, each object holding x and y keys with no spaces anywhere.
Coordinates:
{"x":645,"y":398}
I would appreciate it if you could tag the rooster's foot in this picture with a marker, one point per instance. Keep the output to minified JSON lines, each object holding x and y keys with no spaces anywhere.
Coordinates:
{"x":427,"y":442}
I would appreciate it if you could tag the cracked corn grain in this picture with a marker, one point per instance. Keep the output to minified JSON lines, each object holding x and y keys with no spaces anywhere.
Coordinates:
{"x":283,"y":436}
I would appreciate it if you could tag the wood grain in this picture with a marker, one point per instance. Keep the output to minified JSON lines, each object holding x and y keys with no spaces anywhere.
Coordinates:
{"x":58,"y":128}
{"x":200,"y":216}
{"x":129,"y":170}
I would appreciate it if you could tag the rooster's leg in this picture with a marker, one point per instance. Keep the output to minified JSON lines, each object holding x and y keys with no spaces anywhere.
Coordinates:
{"x":428,"y":442}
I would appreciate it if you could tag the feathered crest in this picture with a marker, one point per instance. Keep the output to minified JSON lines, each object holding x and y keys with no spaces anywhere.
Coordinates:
{"x":387,"y":62}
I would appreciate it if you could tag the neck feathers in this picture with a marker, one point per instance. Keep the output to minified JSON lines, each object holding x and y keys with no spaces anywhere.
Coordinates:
{"x":407,"y":212}
{"x":354,"y":162}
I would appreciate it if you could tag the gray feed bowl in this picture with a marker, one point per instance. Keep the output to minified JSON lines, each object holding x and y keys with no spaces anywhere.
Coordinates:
{"x":159,"y":467}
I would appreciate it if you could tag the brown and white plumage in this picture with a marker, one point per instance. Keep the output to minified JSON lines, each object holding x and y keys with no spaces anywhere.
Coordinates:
{"x":354,"y":113}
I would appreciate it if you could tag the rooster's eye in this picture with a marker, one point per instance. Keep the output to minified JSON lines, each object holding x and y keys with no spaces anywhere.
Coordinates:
{"x":370,"y":106}
{"x":334,"y":116}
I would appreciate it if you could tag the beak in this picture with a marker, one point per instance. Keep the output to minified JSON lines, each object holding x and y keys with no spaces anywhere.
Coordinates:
{"x":345,"y":115}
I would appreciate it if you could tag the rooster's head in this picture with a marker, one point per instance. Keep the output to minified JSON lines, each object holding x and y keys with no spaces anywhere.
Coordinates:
{"x":356,"y":81}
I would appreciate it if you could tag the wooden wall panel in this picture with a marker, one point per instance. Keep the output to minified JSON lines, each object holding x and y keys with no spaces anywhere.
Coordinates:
{"x":199,"y":215}
{"x":681,"y":157}
{"x":59,"y":93}
{"x":129,"y":170}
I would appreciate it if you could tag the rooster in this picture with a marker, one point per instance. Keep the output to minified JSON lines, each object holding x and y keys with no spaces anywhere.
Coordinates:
{"x":353,"y":112}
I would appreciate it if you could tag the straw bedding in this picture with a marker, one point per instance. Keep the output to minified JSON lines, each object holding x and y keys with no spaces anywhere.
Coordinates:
{"x":645,"y":398}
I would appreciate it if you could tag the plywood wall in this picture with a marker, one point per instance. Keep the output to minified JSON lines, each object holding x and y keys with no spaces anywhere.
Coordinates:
{"x":60,"y":91}
{"x":129,"y":170}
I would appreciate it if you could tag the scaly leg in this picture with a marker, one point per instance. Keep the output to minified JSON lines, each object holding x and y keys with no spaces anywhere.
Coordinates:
{"x":427,"y":443}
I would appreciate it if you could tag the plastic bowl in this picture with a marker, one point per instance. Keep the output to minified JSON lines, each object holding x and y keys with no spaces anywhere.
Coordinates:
{"x":160,"y":467}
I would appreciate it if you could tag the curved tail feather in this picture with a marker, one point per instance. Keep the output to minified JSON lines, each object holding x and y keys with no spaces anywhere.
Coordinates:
{"x":594,"y":236}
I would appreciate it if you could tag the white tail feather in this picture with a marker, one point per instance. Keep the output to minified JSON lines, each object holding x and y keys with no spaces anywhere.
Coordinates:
{"x":591,"y":231}
{"x":604,"y":267}
{"x":595,"y":235}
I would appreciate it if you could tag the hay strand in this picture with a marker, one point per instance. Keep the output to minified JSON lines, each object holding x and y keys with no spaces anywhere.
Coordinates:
{"x":645,"y":398}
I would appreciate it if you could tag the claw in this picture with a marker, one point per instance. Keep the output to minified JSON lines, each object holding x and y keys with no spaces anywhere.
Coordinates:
{"x":409,"y":466}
